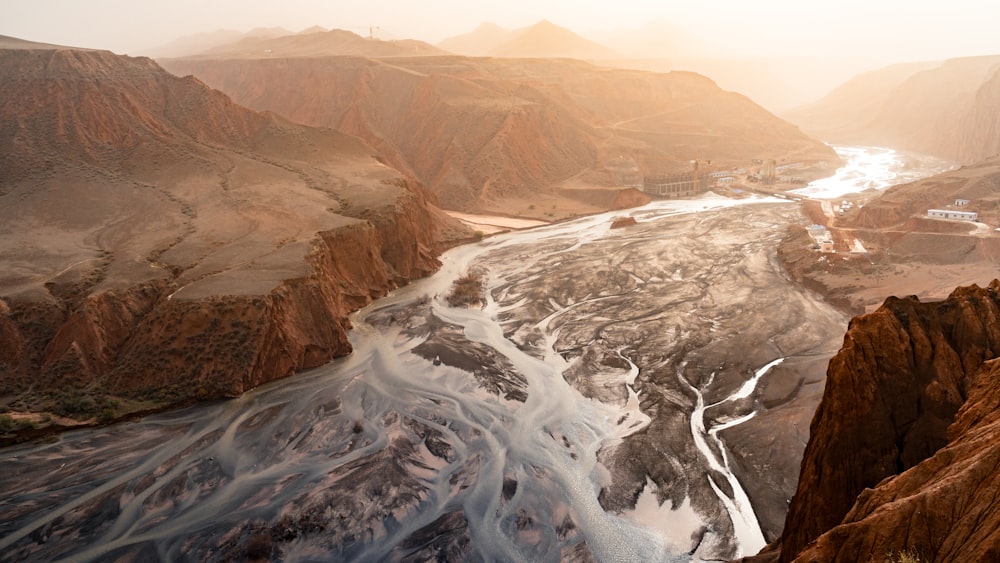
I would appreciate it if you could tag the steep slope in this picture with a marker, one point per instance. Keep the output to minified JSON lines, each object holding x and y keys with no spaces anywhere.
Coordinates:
{"x":312,"y":43}
{"x":479,"y":132}
{"x":945,"y":109}
{"x":979,"y":128}
{"x":841,"y":114}
{"x":159,"y":243}
{"x":902,"y":453}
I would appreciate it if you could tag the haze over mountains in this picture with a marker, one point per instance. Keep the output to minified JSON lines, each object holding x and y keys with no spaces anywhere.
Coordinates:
{"x":947,"y":109}
{"x":778,"y":83}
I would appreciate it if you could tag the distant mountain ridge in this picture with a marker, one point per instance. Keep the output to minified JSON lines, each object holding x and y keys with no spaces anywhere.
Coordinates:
{"x":541,"y":40}
{"x":200,"y":42}
{"x":479,"y":42}
{"x":310,"y":43}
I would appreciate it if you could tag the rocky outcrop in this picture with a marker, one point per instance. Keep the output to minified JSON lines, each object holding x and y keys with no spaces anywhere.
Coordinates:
{"x":902,"y":456}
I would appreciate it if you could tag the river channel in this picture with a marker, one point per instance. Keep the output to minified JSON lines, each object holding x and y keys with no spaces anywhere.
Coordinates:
{"x":629,"y":394}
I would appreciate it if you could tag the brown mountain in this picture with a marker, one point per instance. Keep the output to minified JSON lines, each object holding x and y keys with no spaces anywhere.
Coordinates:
{"x":309,"y":43}
{"x":159,"y":243}
{"x":479,"y":42}
{"x":546,"y":40}
{"x":902,"y":454}
{"x":945,"y":109}
{"x":483,"y":133}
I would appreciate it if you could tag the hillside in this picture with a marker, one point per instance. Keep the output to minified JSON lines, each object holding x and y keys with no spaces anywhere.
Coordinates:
{"x":946,"y":109}
{"x":501,"y":134}
{"x":162,"y":244}
{"x":902,"y":453}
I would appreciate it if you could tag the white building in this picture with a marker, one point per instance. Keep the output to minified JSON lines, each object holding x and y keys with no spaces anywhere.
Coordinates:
{"x":949,"y":214}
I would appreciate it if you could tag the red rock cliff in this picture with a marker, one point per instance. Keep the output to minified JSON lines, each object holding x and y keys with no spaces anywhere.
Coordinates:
{"x":141,"y":344}
{"x":902,"y":455}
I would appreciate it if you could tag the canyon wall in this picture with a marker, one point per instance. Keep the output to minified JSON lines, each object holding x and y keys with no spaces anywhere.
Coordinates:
{"x":902,"y":455}
{"x":141,"y":344}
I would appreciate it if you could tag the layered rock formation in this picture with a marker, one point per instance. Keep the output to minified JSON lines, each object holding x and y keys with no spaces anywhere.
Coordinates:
{"x":482,"y":132}
{"x":161,"y":244}
{"x":947,"y":109}
{"x":902,"y":455}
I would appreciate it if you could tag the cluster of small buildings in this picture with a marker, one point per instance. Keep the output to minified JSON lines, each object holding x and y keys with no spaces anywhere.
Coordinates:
{"x":822,"y":237}
{"x":953,"y":213}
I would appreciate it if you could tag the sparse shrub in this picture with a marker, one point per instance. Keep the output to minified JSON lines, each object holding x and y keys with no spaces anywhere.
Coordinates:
{"x":107,"y":415}
{"x":74,"y":403}
{"x":6,"y":423}
{"x":904,"y":556}
{"x":467,"y":290}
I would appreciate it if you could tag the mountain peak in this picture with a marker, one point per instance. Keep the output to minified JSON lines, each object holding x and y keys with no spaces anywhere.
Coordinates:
{"x":313,"y":29}
{"x":548,"y":40}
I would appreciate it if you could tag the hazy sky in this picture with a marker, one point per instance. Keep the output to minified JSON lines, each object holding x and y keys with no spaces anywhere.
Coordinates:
{"x":890,"y":30}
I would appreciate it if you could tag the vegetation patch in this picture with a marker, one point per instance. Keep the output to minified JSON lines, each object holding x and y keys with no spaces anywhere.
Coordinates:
{"x":467,"y":291}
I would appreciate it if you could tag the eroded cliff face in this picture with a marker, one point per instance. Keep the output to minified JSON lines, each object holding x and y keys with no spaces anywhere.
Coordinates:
{"x":902,"y":455}
{"x":143,"y":345}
